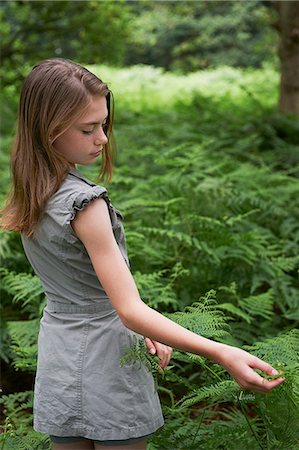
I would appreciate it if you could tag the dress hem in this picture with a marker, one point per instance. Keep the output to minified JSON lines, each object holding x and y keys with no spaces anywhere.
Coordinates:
{"x":89,"y":432}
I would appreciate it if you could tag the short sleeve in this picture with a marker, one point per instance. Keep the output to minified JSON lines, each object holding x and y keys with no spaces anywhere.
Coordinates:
{"x":81,"y":199}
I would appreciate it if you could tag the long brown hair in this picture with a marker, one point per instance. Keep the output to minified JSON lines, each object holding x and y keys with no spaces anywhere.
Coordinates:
{"x":54,"y":95}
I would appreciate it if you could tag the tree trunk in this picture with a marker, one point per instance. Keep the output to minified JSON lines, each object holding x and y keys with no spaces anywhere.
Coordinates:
{"x":289,"y":56}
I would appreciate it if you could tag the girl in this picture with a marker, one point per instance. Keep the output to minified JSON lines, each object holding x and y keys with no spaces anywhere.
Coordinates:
{"x":74,"y":240}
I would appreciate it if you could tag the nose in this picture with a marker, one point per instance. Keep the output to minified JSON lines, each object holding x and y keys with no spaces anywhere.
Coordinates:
{"x":101,"y":138}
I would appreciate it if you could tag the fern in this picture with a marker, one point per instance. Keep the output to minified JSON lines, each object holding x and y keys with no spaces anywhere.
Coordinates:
{"x":14,"y":440}
{"x":138,"y":354}
{"x":157,"y":290}
{"x":22,"y":286}
{"x":281,"y":350}
{"x":154,"y":291}
{"x":174,"y":236}
{"x":12,"y":402}
{"x":203,"y":317}
{"x":222,"y":391}
{"x":5,"y":249}
{"x":25,"y":288}
{"x":259,"y":305}
{"x":23,"y":335}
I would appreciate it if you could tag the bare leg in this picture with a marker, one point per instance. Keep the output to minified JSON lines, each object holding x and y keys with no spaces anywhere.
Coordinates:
{"x":141,"y":445}
{"x":82,"y":445}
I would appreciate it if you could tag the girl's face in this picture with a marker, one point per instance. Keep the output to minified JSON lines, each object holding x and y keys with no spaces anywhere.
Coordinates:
{"x":83,"y":141}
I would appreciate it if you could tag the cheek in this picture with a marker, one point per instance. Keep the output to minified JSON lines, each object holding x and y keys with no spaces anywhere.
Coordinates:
{"x":67,"y":142}
{"x":82,"y":141}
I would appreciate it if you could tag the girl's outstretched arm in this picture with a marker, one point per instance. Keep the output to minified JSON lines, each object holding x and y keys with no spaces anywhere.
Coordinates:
{"x":93,"y":227}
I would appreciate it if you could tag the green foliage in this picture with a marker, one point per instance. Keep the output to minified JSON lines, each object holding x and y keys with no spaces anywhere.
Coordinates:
{"x":16,"y":406}
{"x":138,"y":354}
{"x":14,"y":433}
{"x":281,"y":348}
{"x":32,"y":440}
{"x":224,"y":390}
{"x":26,"y":289}
{"x":88,"y":31}
{"x":22,"y":286}
{"x":174,"y":35}
{"x":23,"y":335}
{"x":196,"y":35}
{"x":204,"y":318}
{"x":207,"y":179}
{"x":154,"y":289}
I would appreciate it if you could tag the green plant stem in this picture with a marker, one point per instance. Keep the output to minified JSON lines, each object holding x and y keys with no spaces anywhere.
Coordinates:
{"x":249,"y":425}
{"x":199,"y":425}
{"x":212,"y":371}
{"x":242,"y":410}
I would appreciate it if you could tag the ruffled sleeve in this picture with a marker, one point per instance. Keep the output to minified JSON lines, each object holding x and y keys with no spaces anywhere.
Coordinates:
{"x":81,"y":199}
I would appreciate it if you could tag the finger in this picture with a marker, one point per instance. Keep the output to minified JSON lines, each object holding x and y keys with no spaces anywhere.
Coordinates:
{"x":164,"y":361}
{"x":271,"y":384}
{"x":260,"y":384}
{"x":150,"y":346}
{"x":161,"y":353}
{"x":265,"y":389}
{"x":262,"y":365}
{"x":168,"y":356}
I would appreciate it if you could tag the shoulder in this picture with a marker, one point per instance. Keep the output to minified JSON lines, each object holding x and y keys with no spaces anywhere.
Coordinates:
{"x":73,"y":195}
{"x":74,"y":191}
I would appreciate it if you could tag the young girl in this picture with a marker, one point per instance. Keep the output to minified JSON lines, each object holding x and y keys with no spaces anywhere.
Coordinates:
{"x":74,"y":240}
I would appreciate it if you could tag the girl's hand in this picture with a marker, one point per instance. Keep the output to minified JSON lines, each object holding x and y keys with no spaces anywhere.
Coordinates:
{"x":240,"y":365}
{"x":163,"y":351}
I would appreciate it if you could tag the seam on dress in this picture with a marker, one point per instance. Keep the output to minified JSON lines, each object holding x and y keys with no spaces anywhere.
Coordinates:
{"x":80,"y":415}
{"x":130,"y":382}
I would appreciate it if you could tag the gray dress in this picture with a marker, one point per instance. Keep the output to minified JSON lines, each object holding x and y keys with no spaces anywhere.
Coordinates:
{"x":80,"y":388}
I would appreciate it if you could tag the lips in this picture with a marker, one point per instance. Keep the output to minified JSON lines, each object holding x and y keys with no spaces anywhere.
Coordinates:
{"x":96,"y":153}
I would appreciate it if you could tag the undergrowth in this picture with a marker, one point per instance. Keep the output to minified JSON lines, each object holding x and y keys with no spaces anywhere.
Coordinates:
{"x":207,"y":179}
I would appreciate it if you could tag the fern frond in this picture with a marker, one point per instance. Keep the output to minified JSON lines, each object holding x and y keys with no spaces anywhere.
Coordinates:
{"x":131,"y":205}
{"x":287,"y":264}
{"x":154,"y":290}
{"x":24,"y":335}
{"x":282,"y":351}
{"x":169,"y":234}
{"x":16,"y":440}
{"x":138,"y":355}
{"x":259,"y":305}
{"x":235,"y":311}
{"x":5,"y":249}
{"x":16,"y":407}
{"x":23,"y":286}
{"x":203,"y":317}
{"x":224,"y":391}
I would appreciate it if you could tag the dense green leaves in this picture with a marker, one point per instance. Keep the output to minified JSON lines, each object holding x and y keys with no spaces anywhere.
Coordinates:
{"x":184,"y":35}
{"x":17,"y":432}
{"x":195,"y":35}
{"x":87,"y":31}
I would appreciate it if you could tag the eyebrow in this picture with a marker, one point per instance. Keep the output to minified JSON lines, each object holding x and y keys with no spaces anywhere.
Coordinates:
{"x":93,"y":123}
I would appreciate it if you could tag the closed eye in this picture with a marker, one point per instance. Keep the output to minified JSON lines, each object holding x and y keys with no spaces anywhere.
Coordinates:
{"x":88,"y":132}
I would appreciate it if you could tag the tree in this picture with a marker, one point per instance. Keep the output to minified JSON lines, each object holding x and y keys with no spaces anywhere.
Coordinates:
{"x":288,"y":26}
{"x":87,"y":31}
{"x":196,"y":35}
